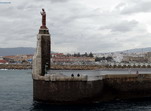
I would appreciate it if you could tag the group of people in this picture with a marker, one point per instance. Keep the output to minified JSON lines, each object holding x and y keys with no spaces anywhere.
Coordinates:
{"x":78,"y":75}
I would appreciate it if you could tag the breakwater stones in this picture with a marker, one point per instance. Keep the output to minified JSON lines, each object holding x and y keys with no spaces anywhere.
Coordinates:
{"x":66,"y":67}
{"x":15,"y":66}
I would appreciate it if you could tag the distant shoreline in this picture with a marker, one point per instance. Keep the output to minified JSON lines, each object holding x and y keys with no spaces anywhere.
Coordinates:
{"x":67,"y":67}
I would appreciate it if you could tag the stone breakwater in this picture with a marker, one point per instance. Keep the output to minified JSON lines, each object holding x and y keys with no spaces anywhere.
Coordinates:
{"x":59,"y":89}
{"x":66,"y":67}
{"x":53,"y":67}
{"x":15,"y":66}
{"x":76,"y":67}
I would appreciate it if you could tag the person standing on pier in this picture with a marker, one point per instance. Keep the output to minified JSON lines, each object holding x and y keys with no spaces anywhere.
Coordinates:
{"x":137,"y":72}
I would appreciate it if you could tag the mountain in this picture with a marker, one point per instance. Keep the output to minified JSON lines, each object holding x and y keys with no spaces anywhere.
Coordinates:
{"x":130,"y":51}
{"x":137,"y":50}
{"x":30,"y":50}
{"x":16,"y":51}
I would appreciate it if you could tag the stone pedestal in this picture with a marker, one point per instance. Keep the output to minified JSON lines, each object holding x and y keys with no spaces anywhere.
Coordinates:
{"x":41,"y":59}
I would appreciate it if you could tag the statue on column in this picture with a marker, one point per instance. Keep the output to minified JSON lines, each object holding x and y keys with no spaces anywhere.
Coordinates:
{"x":43,"y":13}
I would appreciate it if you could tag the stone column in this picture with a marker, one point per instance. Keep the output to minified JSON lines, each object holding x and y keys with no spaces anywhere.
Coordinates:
{"x":41,"y":59}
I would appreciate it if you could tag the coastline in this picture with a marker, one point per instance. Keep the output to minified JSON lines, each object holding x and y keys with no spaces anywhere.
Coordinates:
{"x":69,"y":67}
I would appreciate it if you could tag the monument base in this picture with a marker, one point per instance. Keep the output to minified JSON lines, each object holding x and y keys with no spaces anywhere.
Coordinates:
{"x":41,"y":59}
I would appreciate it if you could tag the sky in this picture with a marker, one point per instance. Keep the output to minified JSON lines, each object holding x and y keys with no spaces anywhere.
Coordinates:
{"x":77,"y":25}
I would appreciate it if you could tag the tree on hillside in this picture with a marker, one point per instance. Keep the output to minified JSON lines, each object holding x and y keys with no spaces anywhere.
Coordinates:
{"x":109,"y":58}
{"x":91,"y":55}
{"x":97,"y":59}
{"x":78,"y":55}
{"x":103,"y":58}
{"x":86,"y":54}
{"x":75,"y":55}
{"x":68,"y":55}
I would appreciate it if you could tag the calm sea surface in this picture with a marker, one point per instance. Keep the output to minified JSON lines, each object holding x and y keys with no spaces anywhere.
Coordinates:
{"x":16,"y":94}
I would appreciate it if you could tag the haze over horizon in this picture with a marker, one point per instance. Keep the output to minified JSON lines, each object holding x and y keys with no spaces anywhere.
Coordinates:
{"x":78,"y":25}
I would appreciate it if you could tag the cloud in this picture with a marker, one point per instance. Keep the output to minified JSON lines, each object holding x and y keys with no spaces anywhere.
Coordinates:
{"x":123,"y":26}
{"x":137,"y":7}
{"x":52,"y":1}
{"x":55,"y":1}
{"x":75,"y":25}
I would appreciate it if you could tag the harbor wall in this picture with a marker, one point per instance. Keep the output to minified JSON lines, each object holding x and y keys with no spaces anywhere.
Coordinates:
{"x":15,"y":66}
{"x":66,"y":67}
{"x":71,"y":92}
{"x":111,"y":87}
{"x":127,"y":86}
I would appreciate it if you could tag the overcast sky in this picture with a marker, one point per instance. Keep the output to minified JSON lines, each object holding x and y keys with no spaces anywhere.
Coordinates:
{"x":78,"y":25}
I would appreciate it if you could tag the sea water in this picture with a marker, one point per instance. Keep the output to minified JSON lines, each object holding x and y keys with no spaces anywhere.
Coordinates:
{"x":16,"y":94}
